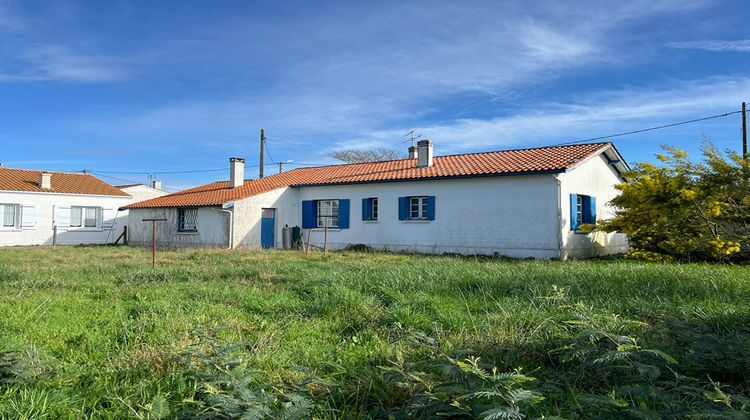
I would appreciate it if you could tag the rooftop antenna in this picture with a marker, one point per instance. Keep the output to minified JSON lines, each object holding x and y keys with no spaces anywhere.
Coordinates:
{"x":413,"y":136}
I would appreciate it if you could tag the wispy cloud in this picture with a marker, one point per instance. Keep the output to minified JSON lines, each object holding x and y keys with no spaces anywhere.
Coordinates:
{"x":596,"y":114}
{"x":740,"y":45}
{"x":61,"y":64}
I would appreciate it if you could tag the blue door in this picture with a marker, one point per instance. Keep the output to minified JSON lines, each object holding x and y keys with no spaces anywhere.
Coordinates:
{"x":268,"y":228}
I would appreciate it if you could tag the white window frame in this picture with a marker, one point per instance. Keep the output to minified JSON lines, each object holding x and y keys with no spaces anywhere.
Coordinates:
{"x":181,"y":220}
{"x":374,"y":208}
{"x":16,"y":216}
{"x":325,"y":213}
{"x":579,"y":210}
{"x":421,"y":207}
{"x":81,"y":222}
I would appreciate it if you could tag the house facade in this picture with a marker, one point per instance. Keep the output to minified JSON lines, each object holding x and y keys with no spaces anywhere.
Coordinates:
{"x":519,"y":203}
{"x":42,"y":208}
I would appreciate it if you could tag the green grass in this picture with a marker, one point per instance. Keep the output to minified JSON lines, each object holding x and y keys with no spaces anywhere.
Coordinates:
{"x":95,"y":332}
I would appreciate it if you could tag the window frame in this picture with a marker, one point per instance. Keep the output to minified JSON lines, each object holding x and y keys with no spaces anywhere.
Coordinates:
{"x":422,"y":206}
{"x":374,"y":207}
{"x":320,"y":219}
{"x":181,"y":220}
{"x":82,"y":218}
{"x":16,"y":216}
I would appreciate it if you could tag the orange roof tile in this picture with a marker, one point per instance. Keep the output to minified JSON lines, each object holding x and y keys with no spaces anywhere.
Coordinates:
{"x":62,"y":182}
{"x":504,"y":162}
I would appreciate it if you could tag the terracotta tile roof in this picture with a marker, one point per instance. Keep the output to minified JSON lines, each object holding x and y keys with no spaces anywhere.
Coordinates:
{"x":520,"y":161}
{"x":62,"y":182}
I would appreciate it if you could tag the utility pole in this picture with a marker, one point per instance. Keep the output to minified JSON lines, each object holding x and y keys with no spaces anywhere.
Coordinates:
{"x":262,"y":149}
{"x":281,"y":167}
{"x":744,"y":131}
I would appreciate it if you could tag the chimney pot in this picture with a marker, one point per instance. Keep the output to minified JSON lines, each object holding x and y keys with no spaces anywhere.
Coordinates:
{"x":236,"y":172}
{"x":45,"y":180}
{"x":412,"y":152}
{"x":156,"y":184}
{"x":424,"y":153}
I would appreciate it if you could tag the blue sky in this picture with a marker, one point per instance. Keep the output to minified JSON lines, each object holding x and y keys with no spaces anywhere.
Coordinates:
{"x":169,"y":86}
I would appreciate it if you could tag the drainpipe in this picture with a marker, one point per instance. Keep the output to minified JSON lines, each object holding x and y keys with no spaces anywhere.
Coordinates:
{"x":227,"y":208}
{"x":559,"y":217}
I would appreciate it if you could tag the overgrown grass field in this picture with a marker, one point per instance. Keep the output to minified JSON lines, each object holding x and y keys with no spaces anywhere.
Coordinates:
{"x":95,"y":332}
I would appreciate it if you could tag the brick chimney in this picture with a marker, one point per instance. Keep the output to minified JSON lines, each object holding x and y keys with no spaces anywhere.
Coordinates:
{"x":236,"y":172}
{"x":424,"y":154}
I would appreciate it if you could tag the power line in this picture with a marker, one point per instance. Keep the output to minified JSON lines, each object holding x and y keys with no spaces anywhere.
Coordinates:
{"x":647,"y":129}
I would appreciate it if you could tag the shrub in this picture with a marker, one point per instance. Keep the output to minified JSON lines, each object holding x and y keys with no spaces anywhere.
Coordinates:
{"x":686,"y":210}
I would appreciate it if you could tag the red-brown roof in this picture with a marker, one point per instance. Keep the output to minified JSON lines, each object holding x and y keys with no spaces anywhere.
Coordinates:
{"x":28,"y":180}
{"x":504,"y":162}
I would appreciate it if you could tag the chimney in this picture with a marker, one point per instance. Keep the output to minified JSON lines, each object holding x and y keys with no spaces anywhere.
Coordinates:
{"x":412,"y":152}
{"x":156,"y":184}
{"x":424,"y":154}
{"x":236,"y":172}
{"x":45,"y":180}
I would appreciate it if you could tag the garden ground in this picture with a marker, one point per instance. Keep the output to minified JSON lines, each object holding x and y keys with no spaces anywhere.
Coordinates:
{"x":95,"y":332}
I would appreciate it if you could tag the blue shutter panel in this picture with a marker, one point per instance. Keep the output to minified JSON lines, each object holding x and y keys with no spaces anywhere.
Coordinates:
{"x":309,"y":220}
{"x":344,"y":214}
{"x":366,"y":210}
{"x":592,"y":210}
{"x":403,"y":208}
{"x":574,"y":212}
{"x":431,"y":207}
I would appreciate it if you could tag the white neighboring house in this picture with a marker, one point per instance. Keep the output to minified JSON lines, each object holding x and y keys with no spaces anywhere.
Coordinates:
{"x":82,"y":207}
{"x":520,"y":203}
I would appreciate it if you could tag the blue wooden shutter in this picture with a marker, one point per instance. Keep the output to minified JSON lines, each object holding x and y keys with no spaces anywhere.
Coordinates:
{"x":574,"y":212}
{"x":309,"y":219}
{"x":592,"y":210}
{"x":403,"y":208}
{"x":344,"y":214}
{"x":431,"y":207}
{"x":366,"y":209}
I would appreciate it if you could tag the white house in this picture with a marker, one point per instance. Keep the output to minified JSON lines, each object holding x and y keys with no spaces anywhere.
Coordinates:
{"x":519,"y":203}
{"x":42,"y":208}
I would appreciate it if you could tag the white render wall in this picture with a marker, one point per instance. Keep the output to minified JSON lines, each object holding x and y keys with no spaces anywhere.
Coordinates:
{"x":142,"y":192}
{"x":247,"y":215}
{"x":213,"y":227}
{"x":514,"y":216}
{"x":41,"y":232}
{"x":597,"y":178}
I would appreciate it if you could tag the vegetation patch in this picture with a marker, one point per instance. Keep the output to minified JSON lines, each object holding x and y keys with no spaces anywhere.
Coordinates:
{"x":95,"y":332}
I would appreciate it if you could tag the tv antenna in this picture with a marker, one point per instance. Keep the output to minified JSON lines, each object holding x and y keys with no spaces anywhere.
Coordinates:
{"x":413,"y":136}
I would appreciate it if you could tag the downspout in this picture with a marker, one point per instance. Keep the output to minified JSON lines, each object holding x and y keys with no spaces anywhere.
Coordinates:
{"x":227,"y":208}
{"x":559,"y":218}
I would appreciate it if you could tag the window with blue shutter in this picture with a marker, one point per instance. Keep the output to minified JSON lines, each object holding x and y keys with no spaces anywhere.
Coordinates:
{"x":416,"y":208}
{"x":322,"y":213}
{"x":370,"y":209}
{"x":582,"y":211}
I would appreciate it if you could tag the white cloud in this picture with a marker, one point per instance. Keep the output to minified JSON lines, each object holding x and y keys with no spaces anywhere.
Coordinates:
{"x":61,"y":64}
{"x":740,"y":45}
{"x":597,"y":114}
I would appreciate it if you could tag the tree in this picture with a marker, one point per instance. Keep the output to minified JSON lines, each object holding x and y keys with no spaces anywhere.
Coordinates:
{"x":365,"y":155}
{"x":686,"y":210}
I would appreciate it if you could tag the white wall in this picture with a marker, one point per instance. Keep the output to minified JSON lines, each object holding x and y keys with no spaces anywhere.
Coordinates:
{"x":247,"y":215}
{"x":40,"y":233}
{"x":212,"y":231}
{"x":597,"y":178}
{"x":509,"y":215}
{"x":142,"y":192}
